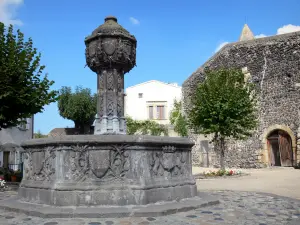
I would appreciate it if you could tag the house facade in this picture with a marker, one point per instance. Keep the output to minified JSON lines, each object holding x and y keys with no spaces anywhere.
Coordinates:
{"x":10,"y":141}
{"x":272,"y":64}
{"x":152,"y":100}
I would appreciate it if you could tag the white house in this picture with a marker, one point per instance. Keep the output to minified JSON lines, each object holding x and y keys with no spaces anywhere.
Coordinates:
{"x":10,"y":140}
{"x":151,"y":100}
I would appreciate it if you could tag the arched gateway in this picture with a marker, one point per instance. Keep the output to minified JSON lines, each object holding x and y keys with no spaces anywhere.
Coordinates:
{"x":280,"y":146}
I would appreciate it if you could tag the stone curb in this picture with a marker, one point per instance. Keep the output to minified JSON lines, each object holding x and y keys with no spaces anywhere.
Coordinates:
{"x":151,"y":210}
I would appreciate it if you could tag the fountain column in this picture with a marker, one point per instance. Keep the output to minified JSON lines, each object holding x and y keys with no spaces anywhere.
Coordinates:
{"x":110,"y":52}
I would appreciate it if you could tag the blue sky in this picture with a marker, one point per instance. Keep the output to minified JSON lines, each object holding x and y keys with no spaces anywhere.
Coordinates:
{"x":174,"y":37}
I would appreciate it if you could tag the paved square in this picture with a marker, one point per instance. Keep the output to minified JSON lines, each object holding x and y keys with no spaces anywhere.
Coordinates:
{"x":238,"y":208}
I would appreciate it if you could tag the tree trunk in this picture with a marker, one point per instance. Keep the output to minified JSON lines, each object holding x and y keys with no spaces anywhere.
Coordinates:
{"x":222,"y":153}
{"x":79,"y":126}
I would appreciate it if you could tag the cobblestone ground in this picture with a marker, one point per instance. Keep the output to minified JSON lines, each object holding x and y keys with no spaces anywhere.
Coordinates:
{"x":238,"y":208}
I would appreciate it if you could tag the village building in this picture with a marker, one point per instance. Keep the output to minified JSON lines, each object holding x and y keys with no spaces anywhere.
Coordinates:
{"x":10,"y":141}
{"x":152,"y":100}
{"x":273,"y":64}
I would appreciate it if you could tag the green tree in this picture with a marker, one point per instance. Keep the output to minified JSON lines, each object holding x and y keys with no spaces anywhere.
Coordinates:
{"x":23,"y":92}
{"x":39,"y":135}
{"x":178,"y":120}
{"x":145,"y":127}
{"x":80,"y":107}
{"x":224,"y":105}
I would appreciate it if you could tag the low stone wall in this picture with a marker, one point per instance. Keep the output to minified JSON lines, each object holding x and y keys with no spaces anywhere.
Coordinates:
{"x":107,"y":170}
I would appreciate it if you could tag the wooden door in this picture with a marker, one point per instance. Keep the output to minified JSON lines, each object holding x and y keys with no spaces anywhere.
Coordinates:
{"x":286,"y":151}
{"x":271,"y":155}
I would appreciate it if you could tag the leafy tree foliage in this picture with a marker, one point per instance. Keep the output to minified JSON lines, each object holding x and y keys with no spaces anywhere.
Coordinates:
{"x":224,"y":105}
{"x":145,"y":127}
{"x":39,"y":135}
{"x":80,"y":107}
{"x":23,"y":92}
{"x":178,"y":120}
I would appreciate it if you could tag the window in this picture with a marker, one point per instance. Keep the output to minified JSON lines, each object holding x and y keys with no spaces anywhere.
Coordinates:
{"x":140,"y":95}
{"x":150,"y":110}
{"x":25,"y":125}
{"x":160,"y":112}
{"x":22,"y":126}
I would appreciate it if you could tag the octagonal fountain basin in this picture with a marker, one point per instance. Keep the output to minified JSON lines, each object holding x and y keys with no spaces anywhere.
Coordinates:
{"x":117,"y":170}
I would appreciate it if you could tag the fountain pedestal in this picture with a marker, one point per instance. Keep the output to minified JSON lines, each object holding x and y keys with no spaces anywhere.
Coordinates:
{"x":107,"y":170}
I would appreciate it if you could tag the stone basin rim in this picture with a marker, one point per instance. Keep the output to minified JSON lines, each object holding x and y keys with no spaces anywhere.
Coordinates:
{"x":110,"y":139}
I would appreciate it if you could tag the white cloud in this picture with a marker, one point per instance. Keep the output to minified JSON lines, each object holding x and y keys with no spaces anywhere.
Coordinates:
{"x":221,"y":46}
{"x":8,"y":11}
{"x":282,"y":30}
{"x":288,"y":29}
{"x":134,"y":21}
{"x":260,"y":36}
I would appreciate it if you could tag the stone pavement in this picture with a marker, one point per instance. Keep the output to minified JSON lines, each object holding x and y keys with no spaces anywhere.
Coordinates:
{"x":238,"y":208}
{"x":277,"y":180}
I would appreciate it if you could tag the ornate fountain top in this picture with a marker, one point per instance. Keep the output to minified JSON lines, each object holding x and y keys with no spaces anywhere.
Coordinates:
{"x":111,"y":28}
{"x":110,"y":45}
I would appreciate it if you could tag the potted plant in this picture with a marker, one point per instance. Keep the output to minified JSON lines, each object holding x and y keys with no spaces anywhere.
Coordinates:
{"x":14,"y":176}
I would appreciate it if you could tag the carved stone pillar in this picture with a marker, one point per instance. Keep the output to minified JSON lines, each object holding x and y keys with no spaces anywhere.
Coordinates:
{"x":110,"y":52}
{"x":110,"y":106}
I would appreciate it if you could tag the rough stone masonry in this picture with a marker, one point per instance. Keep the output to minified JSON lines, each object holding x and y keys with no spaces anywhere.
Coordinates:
{"x":273,"y":64}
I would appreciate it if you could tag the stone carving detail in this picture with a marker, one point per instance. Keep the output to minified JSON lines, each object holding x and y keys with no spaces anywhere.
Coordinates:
{"x":40,"y":171}
{"x":86,"y":163}
{"x":116,"y":165}
{"x":120,"y":82}
{"x":79,"y":163}
{"x":168,"y":162}
{"x":101,"y":81}
{"x":110,"y":81}
{"x":109,"y":46}
{"x":101,"y":103}
{"x":120,"y":106}
{"x":110,"y":105}
{"x":28,"y":168}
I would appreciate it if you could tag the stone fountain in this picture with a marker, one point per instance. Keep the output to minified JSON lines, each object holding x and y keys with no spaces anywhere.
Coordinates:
{"x":108,"y":173}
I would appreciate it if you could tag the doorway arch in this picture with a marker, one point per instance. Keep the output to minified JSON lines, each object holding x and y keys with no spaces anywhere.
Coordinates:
{"x":280,"y":146}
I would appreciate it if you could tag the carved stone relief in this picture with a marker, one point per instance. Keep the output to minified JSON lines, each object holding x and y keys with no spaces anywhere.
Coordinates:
{"x":113,"y":164}
{"x":110,"y":81}
{"x":110,"y":104}
{"x":120,"y":82}
{"x":78,"y":163}
{"x":40,"y":164}
{"x":92,"y":163}
{"x":101,"y":103}
{"x":81,"y":163}
{"x":168,"y":162}
{"x":120,"y":106}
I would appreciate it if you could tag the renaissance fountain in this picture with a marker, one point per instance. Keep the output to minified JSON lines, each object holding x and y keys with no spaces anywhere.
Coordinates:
{"x":108,"y":173}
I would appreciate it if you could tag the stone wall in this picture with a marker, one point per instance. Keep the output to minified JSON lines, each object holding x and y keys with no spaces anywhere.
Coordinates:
{"x":273,"y":63}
